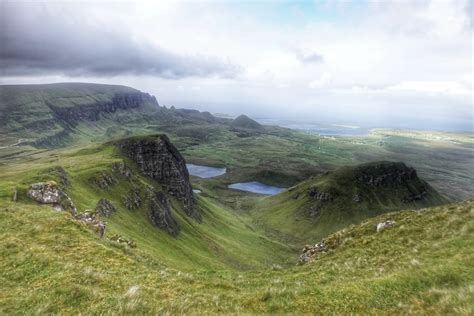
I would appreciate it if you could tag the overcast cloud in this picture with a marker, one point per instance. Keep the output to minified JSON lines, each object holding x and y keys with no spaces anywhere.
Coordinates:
{"x":342,"y":61}
{"x":43,"y":39}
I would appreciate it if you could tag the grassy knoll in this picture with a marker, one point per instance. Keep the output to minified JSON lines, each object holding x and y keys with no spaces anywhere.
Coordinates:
{"x":297,"y":215}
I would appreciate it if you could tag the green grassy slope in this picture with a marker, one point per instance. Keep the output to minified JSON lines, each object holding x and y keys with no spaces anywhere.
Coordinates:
{"x":51,"y":264}
{"x":223,"y":240}
{"x":28,"y":113}
{"x":303,"y":217}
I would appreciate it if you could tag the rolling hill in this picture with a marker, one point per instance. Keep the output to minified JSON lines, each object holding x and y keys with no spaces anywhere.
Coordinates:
{"x":323,"y":204}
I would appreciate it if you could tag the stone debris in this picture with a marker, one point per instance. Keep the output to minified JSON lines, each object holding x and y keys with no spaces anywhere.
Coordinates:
{"x":92,"y":220}
{"x":383,"y":225}
{"x":122,"y":240}
{"x":309,"y":251}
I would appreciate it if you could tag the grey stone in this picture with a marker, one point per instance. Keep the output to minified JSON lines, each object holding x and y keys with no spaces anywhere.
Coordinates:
{"x":45,"y":192}
{"x":104,"y":207}
{"x":384,"y":225}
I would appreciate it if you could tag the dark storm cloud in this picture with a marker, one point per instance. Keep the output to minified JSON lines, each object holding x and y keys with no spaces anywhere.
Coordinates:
{"x":36,"y":38}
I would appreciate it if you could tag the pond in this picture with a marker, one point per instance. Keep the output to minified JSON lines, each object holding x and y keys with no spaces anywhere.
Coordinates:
{"x":256,"y":187}
{"x":204,"y":171}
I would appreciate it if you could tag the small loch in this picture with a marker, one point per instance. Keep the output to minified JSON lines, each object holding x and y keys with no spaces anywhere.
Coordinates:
{"x":256,"y":187}
{"x":204,"y":171}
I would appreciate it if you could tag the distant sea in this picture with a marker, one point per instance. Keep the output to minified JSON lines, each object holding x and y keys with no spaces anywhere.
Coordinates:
{"x":351,"y":129}
{"x":319,"y":128}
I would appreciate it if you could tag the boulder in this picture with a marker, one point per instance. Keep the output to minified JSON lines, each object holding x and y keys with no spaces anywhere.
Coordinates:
{"x":45,"y":192}
{"x":383,"y":225}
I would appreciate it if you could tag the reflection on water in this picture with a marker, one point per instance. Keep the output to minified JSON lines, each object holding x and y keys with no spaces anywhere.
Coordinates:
{"x":256,"y":187}
{"x":204,"y":171}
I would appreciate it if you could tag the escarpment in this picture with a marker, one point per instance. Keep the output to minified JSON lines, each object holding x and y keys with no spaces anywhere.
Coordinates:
{"x":158,"y":159}
{"x":91,"y":112}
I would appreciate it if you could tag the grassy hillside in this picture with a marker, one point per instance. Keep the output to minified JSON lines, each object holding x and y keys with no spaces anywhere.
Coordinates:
{"x":52,"y":264}
{"x":272,"y":155}
{"x":324,"y":204}
{"x":242,"y":257}
{"x":224,"y":239}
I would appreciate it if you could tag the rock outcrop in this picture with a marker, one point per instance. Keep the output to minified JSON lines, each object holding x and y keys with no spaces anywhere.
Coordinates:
{"x":158,"y":159}
{"x":309,"y":251}
{"x":386,"y":174}
{"x":160,"y":214}
{"x":91,"y":220}
{"x":319,"y":195}
{"x":45,"y":192}
{"x":132,"y":200}
{"x":105,"y":208}
{"x":122,"y":169}
{"x":104,"y":180}
{"x":91,"y":112}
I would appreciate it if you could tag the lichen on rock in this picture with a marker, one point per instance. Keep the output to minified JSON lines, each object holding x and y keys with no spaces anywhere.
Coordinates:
{"x":45,"y":192}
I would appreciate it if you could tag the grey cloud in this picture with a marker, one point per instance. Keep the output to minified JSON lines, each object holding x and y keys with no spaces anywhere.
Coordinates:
{"x":38,"y":38}
{"x":310,"y":58}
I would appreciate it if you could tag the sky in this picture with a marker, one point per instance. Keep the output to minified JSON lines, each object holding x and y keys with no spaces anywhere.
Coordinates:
{"x":370,"y":63}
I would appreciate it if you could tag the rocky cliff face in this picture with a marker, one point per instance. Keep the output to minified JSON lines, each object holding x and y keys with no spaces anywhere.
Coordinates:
{"x":160,"y":214}
{"x":91,"y":112}
{"x":385,"y":174}
{"x":158,"y":159}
